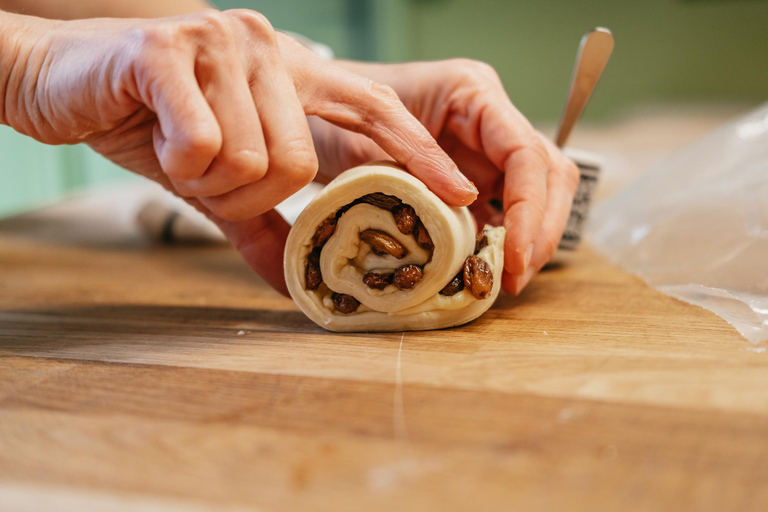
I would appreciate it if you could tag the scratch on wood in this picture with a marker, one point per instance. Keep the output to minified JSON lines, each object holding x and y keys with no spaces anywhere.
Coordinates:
{"x":398,"y":413}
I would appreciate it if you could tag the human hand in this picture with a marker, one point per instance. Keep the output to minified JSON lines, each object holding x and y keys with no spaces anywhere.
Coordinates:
{"x":211,"y":105}
{"x":464,"y":106}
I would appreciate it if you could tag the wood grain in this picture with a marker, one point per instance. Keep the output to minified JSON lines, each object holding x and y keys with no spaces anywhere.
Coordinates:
{"x":173,"y":379}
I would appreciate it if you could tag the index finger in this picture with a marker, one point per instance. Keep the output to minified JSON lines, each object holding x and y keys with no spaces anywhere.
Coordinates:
{"x":360,"y":105}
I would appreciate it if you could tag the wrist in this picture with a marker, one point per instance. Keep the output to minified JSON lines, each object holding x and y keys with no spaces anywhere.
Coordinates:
{"x":21,"y":58}
{"x":9,"y":54}
{"x":81,"y":9}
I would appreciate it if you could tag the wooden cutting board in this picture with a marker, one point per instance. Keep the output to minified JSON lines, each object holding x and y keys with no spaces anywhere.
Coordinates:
{"x":173,"y":379}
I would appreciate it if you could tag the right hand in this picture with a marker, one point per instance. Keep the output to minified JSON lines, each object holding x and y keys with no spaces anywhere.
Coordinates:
{"x":213,"y":106}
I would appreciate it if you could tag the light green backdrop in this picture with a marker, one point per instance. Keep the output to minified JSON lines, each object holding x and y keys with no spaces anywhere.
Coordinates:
{"x":33,"y":174}
{"x":666,"y":51}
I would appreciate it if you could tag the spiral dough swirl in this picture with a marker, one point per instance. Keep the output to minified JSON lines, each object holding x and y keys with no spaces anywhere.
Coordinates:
{"x":376,"y":250}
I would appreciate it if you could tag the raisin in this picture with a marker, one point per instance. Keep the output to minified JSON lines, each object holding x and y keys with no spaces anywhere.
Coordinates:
{"x":422,"y":237}
{"x":313,"y":277}
{"x":478,"y":278}
{"x":405,"y":219}
{"x":382,"y":243}
{"x":324,"y":232}
{"x":381,"y":200}
{"x":481,"y":242}
{"x":376,"y":280}
{"x":455,"y":286}
{"x":345,"y":303}
{"x":407,"y":276}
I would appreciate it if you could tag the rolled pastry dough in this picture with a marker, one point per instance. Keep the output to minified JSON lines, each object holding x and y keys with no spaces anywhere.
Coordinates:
{"x":345,"y":258}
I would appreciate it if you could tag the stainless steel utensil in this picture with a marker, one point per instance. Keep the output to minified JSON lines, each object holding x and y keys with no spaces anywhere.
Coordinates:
{"x":594,"y":52}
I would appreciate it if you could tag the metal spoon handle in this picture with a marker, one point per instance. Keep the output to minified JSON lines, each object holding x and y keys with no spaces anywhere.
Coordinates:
{"x":594,"y":51}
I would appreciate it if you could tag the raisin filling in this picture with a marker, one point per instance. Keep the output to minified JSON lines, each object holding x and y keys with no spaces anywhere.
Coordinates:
{"x":475,"y":276}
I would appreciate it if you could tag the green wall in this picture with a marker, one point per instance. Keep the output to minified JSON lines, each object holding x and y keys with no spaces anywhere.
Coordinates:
{"x":667,"y":51}
{"x":690,"y":51}
{"x":33,"y":174}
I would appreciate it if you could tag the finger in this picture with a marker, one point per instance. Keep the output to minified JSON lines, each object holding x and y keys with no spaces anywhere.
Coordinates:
{"x":481,"y":171}
{"x":511,"y":144}
{"x":261,"y":242}
{"x":292,"y":158}
{"x":357,"y":104}
{"x":546,"y":242}
{"x":243,"y":157}
{"x":525,"y":199}
{"x":487,"y":178}
{"x":562,"y":182}
{"x":187,"y":136}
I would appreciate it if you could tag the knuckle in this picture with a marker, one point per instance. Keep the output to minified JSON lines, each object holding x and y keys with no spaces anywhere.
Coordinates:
{"x":187,"y":157}
{"x":305,"y":168}
{"x":475,"y":71}
{"x":256,"y":23}
{"x":226,"y":209}
{"x":533,"y":149}
{"x":151,"y":41}
{"x":197,"y":144}
{"x":539,"y":150}
{"x":248,"y":166}
{"x":211,"y":22}
{"x":207,"y":28}
{"x":382,"y":92}
{"x":202,"y":30}
{"x":156,"y":35}
{"x":183,"y":188}
{"x":301,"y":165}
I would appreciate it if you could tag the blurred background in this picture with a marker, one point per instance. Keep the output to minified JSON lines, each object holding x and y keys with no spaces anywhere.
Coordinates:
{"x":695,"y":56}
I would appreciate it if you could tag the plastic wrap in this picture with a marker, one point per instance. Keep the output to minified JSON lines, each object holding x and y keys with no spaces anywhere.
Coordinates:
{"x":695,"y":227}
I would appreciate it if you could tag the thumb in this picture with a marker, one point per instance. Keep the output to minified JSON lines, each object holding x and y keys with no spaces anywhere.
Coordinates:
{"x":261,"y":242}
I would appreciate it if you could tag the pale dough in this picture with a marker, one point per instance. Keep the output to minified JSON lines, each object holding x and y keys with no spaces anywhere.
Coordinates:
{"x":344,"y":259}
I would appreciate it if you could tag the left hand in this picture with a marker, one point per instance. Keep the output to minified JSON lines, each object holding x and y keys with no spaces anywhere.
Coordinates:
{"x":462,"y":103}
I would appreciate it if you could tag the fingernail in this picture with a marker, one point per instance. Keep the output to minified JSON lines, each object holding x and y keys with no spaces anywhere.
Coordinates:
{"x":523,"y":280}
{"x":464,"y":182}
{"x":527,"y":257}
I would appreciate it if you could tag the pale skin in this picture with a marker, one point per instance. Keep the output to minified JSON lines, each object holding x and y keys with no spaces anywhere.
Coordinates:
{"x":234,"y":117}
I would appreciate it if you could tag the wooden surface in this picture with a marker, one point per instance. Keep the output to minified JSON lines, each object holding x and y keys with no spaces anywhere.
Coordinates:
{"x":171,"y":379}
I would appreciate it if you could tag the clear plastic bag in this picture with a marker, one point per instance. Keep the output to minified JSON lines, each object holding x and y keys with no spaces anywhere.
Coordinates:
{"x":696,"y":226}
